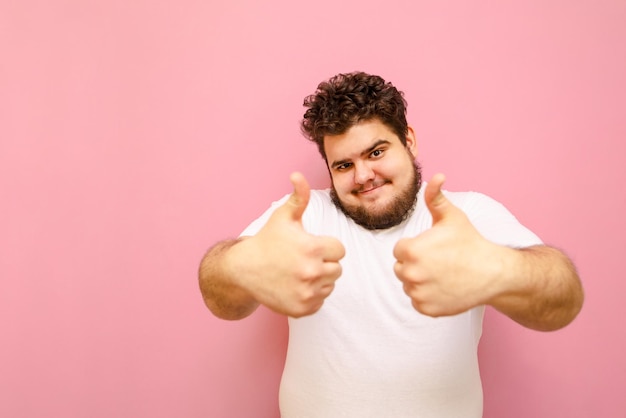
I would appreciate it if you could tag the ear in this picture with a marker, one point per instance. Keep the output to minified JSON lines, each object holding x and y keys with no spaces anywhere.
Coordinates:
{"x":411,"y":142}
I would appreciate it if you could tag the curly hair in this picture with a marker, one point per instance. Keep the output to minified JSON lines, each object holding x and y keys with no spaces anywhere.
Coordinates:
{"x":347,"y":99}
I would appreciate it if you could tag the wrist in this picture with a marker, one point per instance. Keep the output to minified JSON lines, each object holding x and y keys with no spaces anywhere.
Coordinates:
{"x":508,"y":285}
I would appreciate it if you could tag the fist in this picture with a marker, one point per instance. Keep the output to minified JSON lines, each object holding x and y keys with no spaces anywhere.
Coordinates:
{"x":449,"y":268}
{"x":294,"y":270}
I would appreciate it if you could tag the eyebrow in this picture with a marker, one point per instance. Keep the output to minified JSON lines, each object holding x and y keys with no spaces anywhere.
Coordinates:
{"x":367,"y":151}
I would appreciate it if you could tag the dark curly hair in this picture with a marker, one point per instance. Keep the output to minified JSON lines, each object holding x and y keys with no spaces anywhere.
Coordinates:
{"x":347,"y":99}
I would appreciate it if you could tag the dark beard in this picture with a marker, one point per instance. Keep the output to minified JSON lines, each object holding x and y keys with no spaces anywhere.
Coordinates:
{"x":400,"y":209}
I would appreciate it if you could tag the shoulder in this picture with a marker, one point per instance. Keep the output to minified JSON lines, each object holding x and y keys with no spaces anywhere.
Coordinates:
{"x":471,"y":201}
{"x":492,"y":219}
{"x":321,"y":213}
{"x":320,"y":199}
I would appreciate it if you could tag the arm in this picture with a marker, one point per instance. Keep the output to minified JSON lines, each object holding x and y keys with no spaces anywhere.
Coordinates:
{"x":222,"y":295}
{"x":451,"y":268}
{"x":282,"y":267}
{"x":540,"y":288}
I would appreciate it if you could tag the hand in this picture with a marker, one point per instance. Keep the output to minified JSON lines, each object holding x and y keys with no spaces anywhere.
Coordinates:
{"x":290,"y":271}
{"x":450,"y":268}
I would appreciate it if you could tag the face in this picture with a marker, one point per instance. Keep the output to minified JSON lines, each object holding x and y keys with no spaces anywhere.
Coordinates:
{"x":375,"y":178}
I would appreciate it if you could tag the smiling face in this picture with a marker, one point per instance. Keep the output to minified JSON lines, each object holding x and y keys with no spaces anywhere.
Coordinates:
{"x":375,"y":179}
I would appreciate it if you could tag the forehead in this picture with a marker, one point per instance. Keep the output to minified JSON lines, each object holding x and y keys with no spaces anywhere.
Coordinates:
{"x":357,"y":139}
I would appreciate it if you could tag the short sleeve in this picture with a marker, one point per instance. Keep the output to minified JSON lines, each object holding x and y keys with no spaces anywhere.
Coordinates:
{"x":256,"y":225}
{"x":495,"y":222}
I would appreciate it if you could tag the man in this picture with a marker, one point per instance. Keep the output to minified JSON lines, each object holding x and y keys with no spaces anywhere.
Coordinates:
{"x":384,"y":278}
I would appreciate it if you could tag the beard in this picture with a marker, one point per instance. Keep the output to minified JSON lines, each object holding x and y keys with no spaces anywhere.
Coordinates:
{"x":395,"y":213}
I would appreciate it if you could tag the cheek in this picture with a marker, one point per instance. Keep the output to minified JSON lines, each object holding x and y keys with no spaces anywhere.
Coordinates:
{"x":342,"y":183}
{"x":384,"y":169}
{"x":394,"y":168}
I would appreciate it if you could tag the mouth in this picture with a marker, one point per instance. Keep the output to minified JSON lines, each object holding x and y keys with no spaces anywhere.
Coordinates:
{"x":370,"y":189}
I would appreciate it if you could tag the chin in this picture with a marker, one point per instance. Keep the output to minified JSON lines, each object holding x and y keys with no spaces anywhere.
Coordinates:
{"x":376,"y":208}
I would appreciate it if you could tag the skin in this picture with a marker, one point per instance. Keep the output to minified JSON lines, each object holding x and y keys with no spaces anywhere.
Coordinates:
{"x":445,"y":270}
{"x":282,"y":267}
{"x":451,"y":268}
{"x":375,"y":181}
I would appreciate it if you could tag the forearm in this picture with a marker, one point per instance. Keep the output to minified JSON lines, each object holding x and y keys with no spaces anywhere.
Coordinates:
{"x":224,"y":298}
{"x":541,"y":288}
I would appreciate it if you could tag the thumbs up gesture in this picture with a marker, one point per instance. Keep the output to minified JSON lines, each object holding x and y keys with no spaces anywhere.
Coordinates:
{"x":289,"y":270}
{"x":449,"y":268}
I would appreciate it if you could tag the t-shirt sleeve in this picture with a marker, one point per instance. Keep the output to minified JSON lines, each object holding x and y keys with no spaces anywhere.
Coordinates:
{"x":256,"y":225}
{"x":496,"y":223}
{"x":312,"y":217}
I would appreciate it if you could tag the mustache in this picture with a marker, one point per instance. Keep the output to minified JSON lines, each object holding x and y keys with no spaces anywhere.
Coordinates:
{"x":370,"y":186}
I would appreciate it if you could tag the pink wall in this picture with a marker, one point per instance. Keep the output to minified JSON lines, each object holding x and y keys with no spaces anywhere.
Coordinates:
{"x":133,"y":135}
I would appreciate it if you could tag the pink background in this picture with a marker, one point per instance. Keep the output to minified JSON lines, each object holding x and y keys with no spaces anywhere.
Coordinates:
{"x":135,"y":134}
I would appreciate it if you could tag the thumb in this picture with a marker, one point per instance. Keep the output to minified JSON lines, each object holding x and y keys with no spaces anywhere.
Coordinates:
{"x":438,"y":205}
{"x":299,"y":199}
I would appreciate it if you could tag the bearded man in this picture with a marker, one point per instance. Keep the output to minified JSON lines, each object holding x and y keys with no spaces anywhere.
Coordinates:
{"x":384,"y":277}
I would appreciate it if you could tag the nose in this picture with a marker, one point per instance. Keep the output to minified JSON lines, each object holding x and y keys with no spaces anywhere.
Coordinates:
{"x":363,"y":173}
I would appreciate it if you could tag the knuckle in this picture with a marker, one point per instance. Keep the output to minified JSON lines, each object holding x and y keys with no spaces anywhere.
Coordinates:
{"x":313,"y":247}
{"x":306,"y":307}
{"x":426,"y":308}
{"x":339,"y":249}
{"x":309,"y":272}
{"x":335,"y":271}
{"x":306,"y":296}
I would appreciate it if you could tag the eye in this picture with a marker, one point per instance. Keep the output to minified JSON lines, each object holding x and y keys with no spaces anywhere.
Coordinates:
{"x":377,"y":153}
{"x":342,"y":167}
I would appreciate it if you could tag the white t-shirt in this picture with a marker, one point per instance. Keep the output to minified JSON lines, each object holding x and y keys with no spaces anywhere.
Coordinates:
{"x":367,"y":352}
